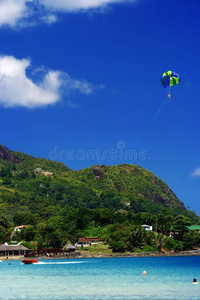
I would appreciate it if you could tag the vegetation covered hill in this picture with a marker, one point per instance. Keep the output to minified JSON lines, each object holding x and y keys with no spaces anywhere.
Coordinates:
{"x":51,"y":198}
{"x":49,"y":188}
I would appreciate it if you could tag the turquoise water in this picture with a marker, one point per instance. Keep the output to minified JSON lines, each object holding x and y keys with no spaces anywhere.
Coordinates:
{"x":101,"y":278}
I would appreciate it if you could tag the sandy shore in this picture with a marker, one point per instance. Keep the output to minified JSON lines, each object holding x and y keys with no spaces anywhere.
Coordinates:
{"x":85,"y":254}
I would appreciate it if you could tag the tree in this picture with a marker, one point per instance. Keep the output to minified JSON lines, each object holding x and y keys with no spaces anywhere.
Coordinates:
{"x":133,"y":236}
{"x":29,"y":233}
{"x":85,"y":218}
{"x":2,"y":234}
{"x":118,"y":246}
{"x":191,"y":239}
{"x":24,"y":218}
{"x":180,"y":225}
{"x":4,"y":222}
{"x":103,"y":216}
{"x":163,"y":222}
{"x":121,"y":216}
{"x":142,"y":218}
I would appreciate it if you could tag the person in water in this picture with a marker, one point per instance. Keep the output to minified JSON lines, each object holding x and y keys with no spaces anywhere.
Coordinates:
{"x":195,"y":281}
{"x":144,"y":273}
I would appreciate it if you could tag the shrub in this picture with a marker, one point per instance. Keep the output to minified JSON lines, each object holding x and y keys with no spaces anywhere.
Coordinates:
{"x":118,"y":246}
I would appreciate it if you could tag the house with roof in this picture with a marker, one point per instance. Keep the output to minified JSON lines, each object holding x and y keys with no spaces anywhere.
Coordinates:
{"x":85,"y":242}
{"x":19,"y":228}
{"x":7,"y":250}
{"x":194,"y":227}
{"x":69,"y":248}
{"x":147,"y":227}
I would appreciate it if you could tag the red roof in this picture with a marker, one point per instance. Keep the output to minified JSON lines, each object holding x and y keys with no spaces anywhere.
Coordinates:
{"x":89,"y":239}
{"x":21,"y":226}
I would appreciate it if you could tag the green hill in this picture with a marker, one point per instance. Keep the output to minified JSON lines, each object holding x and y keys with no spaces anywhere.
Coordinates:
{"x":111,"y":202}
{"x":48,"y":188}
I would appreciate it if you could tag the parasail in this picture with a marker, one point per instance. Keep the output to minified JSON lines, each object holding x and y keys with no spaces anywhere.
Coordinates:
{"x":169,"y":79}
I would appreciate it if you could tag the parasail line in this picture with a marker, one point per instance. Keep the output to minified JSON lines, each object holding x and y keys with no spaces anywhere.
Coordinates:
{"x":150,"y":123}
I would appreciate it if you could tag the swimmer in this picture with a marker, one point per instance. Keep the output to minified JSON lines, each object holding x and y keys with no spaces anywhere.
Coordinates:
{"x":144,"y":273}
{"x":195,"y":281}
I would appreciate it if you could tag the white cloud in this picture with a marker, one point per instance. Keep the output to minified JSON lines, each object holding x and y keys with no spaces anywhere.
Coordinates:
{"x":81,"y":85}
{"x":71,"y":5}
{"x":49,"y":19}
{"x":20,"y":13}
{"x":11,"y":11}
{"x":195,"y":173}
{"x":72,"y":104}
{"x":19,"y":90}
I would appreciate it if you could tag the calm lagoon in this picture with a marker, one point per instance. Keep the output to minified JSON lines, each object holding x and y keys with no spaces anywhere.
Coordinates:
{"x":101,"y":278}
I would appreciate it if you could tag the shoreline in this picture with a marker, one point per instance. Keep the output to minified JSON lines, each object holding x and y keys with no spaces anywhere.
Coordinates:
{"x":104,"y":255}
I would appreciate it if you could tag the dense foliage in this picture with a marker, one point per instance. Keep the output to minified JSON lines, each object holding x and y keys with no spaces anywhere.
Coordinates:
{"x":112,"y":202}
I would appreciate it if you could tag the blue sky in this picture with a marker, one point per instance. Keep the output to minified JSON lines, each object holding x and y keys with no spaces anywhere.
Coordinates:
{"x":80,"y":83}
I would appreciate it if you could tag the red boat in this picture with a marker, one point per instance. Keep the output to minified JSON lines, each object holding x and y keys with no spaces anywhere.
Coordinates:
{"x":29,"y":261}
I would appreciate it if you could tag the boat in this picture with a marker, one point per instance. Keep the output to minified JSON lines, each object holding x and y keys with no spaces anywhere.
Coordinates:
{"x":29,"y":261}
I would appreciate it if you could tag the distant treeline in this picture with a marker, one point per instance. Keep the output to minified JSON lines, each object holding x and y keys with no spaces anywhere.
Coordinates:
{"x":121,"y":230}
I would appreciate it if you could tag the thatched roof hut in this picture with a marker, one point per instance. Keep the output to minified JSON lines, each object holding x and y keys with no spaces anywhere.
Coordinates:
{"x":69,"y":247}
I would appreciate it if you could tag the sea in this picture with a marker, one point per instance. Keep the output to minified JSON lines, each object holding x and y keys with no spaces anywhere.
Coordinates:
{"x":101,"y":278}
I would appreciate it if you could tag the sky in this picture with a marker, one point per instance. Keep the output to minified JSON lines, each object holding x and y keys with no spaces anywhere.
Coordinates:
{"x":80,"y":83}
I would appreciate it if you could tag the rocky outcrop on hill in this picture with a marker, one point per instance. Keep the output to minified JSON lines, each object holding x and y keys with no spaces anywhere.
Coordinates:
{"x":6,"y":154}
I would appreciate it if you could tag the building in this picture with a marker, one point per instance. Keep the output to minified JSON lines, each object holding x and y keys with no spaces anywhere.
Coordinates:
{"x":85,"y":242}
{"x":40,"y":171}
{"x":194,"y":227}
{"x":147,"y":227}
{"x":19,"y":228}
{"x":69,"y":247}
{"x":6,"y":250}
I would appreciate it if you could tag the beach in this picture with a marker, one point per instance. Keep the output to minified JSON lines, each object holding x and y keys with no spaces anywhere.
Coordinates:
{"x":86,"y":254}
